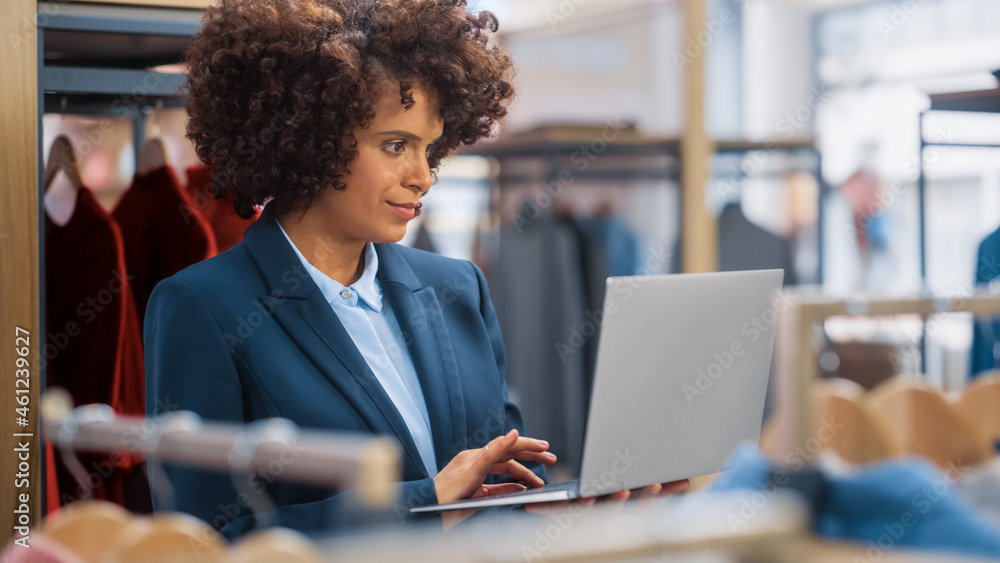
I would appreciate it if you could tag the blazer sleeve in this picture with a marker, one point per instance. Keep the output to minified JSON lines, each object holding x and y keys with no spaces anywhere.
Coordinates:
{"x":190,"y":366}
{"x":513,"y":414}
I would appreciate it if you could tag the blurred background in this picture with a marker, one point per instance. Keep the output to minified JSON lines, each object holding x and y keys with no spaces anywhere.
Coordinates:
{"x":856,"y":144}
{"x":853,"y":143}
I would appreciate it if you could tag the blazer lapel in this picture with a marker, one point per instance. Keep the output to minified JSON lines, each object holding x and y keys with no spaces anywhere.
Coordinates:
{"x":421,"y":319}
{"x":298,"y":305}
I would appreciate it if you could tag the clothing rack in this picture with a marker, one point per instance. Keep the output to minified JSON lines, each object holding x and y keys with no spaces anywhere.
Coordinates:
{"x":101,"y":60}
{"x":796,"y":364}
{"x":562,"y":148}
{"x":371,"y":465}
{"x":979,"y":101}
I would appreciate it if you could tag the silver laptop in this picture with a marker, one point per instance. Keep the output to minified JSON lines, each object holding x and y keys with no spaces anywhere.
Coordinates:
{"x":681,"y":377}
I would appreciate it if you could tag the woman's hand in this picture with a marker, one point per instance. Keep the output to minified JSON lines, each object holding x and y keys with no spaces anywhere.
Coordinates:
{"x":464,"y":475}
{"x":452,"y":517}
{"x":655,"y":490}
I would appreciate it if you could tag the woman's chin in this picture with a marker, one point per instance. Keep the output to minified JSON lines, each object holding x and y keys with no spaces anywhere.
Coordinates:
{"x":390,"y":236}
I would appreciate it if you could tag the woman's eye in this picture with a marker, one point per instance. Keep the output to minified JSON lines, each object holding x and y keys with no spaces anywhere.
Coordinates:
{"x":395,"y":146}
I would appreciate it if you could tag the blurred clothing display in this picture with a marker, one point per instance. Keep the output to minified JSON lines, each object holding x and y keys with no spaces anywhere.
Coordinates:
{"x":622,"y":248}
{"x":226,"y":225}
{"x":538,"y":292}
{"x":985,"y":354}
{"x":906,"y":503}
{"x":548,"y":288}
{"x":163,"y":232}
{"x":745,"y":246}
{"x":95,"y":347}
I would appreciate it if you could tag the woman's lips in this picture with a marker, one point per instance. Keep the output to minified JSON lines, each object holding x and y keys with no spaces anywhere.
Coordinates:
{"x":405,"y":210}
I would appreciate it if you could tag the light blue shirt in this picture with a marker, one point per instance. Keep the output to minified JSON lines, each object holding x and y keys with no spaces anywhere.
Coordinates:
{"x":375,"y":331}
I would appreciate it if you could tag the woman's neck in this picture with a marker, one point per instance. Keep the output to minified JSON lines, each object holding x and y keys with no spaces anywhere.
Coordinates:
{"x":342,"y":261}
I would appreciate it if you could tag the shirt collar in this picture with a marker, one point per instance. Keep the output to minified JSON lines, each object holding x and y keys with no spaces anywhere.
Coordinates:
{"x":367,"y":286}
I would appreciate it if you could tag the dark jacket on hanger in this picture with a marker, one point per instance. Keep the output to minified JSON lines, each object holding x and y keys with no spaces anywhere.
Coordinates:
{"x":746,"y":246}
{"x":247,"y":335}
{"x":543,"y":310}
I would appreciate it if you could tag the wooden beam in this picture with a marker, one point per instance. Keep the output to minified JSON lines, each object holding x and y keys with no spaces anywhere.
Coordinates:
{"x":699,"y":232}
{"x":19,"y":274}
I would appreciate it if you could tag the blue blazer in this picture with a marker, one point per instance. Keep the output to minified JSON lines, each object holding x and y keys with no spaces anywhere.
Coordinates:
{"x":248,"y":335}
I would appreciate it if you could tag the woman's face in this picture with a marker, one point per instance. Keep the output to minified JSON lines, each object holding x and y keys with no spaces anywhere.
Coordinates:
{"x":390,"y":173}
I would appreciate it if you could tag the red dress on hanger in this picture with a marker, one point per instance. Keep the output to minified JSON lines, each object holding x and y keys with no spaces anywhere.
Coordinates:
{"x":164,"y":233}
{"x":227,"y":226}
{"x":94,"y":347}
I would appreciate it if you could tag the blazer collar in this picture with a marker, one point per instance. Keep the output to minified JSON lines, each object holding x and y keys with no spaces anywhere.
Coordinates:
{"x":312,"y":323}
{"x":283,"y":271}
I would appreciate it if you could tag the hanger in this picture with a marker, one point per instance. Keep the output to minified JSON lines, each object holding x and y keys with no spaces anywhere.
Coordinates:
{"x":153,"y":154}
{"x":916,"y":418}
{"x":859,"y":439}
{"x":241,"y":459}
{"x":62,"y":157}
{"x":86,"y":528}
{"x":977,"y":405}
{"x":166,"y":538}
{"x":276,"y":544}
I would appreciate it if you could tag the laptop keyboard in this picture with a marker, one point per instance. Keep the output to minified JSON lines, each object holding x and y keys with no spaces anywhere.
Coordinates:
{"x":571,"y":486}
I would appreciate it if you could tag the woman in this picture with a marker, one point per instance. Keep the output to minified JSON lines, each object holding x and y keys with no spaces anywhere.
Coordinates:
{"x":334,"y":113}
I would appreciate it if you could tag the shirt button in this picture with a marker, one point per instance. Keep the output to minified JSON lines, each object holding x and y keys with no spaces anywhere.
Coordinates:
{"x":346,"y":294}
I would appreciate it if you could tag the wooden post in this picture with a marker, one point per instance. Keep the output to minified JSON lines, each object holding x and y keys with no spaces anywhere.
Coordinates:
{"x":699,"y":232}
{"x":19,"y":269}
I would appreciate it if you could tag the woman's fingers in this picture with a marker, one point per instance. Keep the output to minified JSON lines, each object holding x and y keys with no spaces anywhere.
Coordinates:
{"x":674,"y":487}
{"x":517,"y":471}
{"x":619,"y":496}
{"x":530,"y":445}
{"x":545,"y":458}
{"x":498,"y":448}
{"x":647,"y":491}
{"x":499,"y":489}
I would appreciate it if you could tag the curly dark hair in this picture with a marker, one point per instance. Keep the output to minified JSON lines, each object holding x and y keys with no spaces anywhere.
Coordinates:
{"x":277,"y":88}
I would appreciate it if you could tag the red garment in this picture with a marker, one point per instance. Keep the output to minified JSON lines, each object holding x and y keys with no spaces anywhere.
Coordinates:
{"x":94,"y":348}
{"x":227,"y":226}
{"x":162,"y":231}
{"x":51,"y":481}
